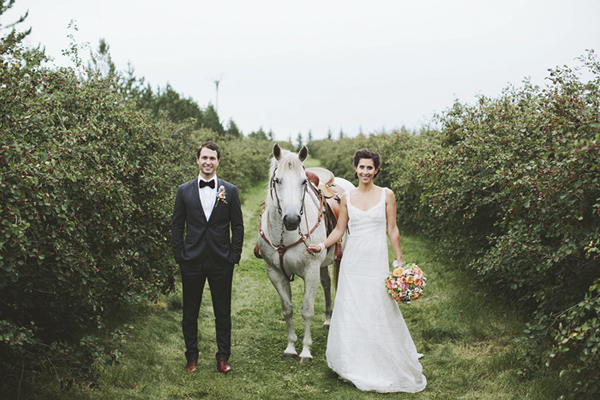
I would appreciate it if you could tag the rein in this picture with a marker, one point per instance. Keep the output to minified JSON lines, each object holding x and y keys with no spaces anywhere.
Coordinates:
{"x":281,"y":248}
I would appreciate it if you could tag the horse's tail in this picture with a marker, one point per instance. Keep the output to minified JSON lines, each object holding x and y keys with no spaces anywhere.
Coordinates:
{"x":337,"y":260}
{"x":336,"y":273}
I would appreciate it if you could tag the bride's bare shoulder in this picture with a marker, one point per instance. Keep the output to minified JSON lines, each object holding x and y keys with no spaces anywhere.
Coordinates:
{"x":389,"y":195}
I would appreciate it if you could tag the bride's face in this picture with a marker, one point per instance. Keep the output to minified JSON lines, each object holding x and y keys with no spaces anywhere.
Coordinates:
{"x":365,"y":170}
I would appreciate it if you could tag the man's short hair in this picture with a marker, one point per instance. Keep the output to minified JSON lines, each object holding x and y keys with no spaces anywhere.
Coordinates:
{"x":210,"y":145}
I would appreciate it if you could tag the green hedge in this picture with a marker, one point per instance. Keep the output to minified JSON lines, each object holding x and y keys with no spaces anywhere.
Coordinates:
{"x":512,"y":189}
{"x":509,"y":189}
{"x":84,"y":204}
{"x":398,"y":150}
{"x":86,"y":197}
{"x":244,"y":162}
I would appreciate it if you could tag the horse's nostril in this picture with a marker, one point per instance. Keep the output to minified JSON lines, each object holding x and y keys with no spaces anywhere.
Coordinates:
{"x":290,"y":222}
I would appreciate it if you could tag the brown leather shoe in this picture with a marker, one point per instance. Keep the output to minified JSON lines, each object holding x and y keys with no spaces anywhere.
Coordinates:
{"x":222,"y":366}
{"x":191,"y":365}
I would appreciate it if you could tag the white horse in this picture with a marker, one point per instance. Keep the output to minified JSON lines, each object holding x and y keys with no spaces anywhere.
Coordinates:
{"x":293,"y":218}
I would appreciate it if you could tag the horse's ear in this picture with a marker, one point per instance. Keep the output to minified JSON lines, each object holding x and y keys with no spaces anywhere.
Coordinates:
{"x":303,"y":153}
{"x":276,"y":151}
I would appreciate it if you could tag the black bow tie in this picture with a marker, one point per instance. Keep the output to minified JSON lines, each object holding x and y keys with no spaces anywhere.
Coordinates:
{"x":210,"y":184}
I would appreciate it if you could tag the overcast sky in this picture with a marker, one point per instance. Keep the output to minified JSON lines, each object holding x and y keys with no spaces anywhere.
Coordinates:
{"x":291,"y":67}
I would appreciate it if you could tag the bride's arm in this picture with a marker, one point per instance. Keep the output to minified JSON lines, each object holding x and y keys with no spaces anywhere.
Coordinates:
{"x":392,"y":226}
{"x":337,"y":233}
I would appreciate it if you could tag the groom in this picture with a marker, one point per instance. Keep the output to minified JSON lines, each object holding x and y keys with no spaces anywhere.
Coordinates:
{"x":207,"y":209}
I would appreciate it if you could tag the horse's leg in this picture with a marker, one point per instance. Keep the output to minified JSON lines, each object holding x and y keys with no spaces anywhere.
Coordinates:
{"x":282,"y":285}
{"x":311,"y":285}
{"x":326,"y":283}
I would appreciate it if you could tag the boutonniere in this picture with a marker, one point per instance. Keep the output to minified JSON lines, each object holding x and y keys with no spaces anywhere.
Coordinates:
{"x":221,"y":195}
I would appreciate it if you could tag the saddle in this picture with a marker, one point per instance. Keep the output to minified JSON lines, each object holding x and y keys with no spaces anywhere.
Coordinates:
{"x":323,"y":180}
{"x":323,"y":185}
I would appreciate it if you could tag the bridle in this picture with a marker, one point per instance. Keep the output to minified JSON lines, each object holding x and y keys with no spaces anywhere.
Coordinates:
{"x":273,"y":189}
{"x":281,"y":248}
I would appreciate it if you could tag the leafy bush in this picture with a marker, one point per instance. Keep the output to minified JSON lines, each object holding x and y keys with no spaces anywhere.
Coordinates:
{"x":85,"y":204}
{"x":244,"y":161}
{"x":398,"y":150}
{"x":336,"y":155}
{"x":86,"y":197}
{"x":512,"y":187}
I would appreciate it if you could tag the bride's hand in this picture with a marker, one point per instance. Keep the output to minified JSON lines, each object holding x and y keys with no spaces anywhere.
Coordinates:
{"x":315,"y":248}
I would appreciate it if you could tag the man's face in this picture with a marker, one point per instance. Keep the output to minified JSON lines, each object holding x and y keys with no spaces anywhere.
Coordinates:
{"x":208,"y":162}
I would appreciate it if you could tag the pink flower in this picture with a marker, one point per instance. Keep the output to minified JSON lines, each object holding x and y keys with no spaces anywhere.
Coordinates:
{"x":406,"y":284}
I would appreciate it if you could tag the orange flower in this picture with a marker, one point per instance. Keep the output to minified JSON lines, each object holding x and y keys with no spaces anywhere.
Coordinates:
{"x":398,"y":272}
{"x":419,"y":282}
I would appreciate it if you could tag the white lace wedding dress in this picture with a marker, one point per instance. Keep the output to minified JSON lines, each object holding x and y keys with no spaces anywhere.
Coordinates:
{"x":369,"y":343}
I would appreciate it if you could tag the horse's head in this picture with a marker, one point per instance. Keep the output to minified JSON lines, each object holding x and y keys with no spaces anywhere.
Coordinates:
{"x":287,"y":186}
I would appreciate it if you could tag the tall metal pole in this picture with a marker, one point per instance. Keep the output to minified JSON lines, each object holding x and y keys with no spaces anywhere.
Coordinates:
{"x":217,"y":102}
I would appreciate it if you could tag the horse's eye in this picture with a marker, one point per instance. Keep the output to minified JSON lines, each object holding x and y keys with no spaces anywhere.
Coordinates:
{"x":304,"y":182}
{"x":276,"y":180}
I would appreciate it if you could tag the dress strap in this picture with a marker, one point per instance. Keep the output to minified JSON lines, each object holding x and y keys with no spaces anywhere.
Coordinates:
{"x":347,"y":194}
{"x":382,"y":195}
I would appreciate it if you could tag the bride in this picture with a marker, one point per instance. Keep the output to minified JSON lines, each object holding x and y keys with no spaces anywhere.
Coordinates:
{"x":369,"y":343}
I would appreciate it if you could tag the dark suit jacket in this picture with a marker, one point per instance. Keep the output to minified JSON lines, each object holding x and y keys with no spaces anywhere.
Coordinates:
{"x":221,"y":236}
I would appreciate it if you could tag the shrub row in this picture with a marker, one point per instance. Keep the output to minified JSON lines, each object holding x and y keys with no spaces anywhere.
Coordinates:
{"x":86,"y":195}
{"x":398,"y":150}
{"x":84,"y":205}
{"x":511,"y":189}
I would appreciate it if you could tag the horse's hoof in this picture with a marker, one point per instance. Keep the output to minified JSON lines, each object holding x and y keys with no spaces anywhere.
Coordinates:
{"x":325,"y":327}
{"x":289,"y":356}
{"x":305,"y":360}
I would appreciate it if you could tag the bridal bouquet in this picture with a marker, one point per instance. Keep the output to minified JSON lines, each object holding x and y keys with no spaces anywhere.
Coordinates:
{"x":406,"y":283}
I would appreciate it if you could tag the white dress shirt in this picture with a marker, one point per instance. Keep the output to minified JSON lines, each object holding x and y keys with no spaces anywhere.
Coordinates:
{"x":208,"y":196}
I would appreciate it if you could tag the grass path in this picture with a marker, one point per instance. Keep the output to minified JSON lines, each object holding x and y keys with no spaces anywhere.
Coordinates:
{"x":467,"y":339}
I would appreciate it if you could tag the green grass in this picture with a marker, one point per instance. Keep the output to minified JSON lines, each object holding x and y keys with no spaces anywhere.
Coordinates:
{"x":468,"y":340}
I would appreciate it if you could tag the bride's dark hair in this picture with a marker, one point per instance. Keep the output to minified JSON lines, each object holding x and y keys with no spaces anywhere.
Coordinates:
{"x":366,"y":153}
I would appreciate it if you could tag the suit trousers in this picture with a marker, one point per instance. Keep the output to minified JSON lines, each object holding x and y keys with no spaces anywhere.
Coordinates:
{"x":193,"y":278}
